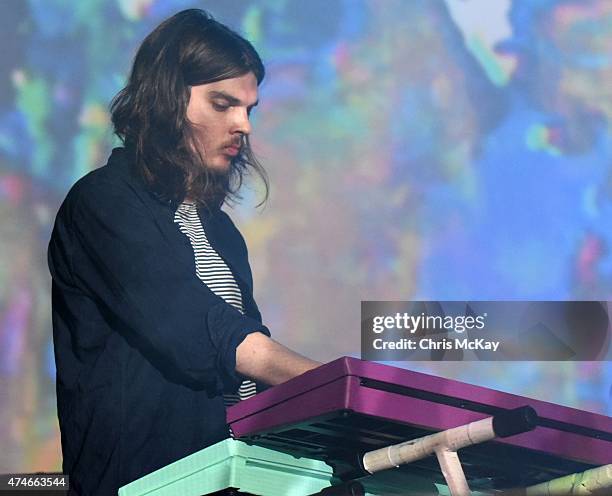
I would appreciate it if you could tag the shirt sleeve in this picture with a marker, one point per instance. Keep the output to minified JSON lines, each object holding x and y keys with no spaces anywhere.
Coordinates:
{"x":120,"y":258}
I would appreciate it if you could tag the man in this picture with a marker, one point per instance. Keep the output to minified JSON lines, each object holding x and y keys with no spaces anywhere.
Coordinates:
{"x":153,"y":309}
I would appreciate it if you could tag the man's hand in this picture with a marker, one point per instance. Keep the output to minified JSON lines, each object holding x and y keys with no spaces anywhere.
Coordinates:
{"x":263,"y":359}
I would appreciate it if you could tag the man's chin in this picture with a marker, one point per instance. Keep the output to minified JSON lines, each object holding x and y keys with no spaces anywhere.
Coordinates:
{"x":220,"y":167}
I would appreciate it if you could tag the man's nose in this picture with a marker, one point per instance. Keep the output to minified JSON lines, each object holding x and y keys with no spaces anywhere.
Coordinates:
{"x":242,"y":124}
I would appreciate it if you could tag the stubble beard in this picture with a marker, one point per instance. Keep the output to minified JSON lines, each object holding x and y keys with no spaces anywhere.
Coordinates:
{"x":211,"y":185}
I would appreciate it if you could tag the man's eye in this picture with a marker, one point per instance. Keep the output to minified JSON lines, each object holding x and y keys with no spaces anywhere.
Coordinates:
{"x":220,"y":107}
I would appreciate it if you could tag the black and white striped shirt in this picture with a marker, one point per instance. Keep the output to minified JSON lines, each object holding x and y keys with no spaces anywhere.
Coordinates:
{"x":212,"y":270}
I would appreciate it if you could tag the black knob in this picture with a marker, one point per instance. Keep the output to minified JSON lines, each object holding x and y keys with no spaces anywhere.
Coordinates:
{"x":515,"y":421}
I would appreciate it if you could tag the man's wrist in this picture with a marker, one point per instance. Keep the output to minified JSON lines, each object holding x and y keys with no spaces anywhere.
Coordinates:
{"x":261,"y":358}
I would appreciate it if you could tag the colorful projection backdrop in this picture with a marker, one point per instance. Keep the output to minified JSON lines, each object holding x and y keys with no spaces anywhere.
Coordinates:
{"x":421,"y":149}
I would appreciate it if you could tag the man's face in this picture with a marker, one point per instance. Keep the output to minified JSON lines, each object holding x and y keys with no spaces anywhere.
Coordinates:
{"x":219,"y":114}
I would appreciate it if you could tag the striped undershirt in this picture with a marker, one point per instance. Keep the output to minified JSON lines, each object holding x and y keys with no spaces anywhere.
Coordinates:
{"x":212,"y":270}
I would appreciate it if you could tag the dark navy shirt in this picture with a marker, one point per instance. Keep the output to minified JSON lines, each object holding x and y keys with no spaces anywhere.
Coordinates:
{"x":143,"y":348}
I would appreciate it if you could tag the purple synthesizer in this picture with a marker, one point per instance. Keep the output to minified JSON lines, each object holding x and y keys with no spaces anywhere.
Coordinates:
{"x":349,"y":407}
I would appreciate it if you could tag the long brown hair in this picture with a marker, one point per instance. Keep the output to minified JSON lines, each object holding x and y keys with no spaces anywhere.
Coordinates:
{"x":149,"y":114}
